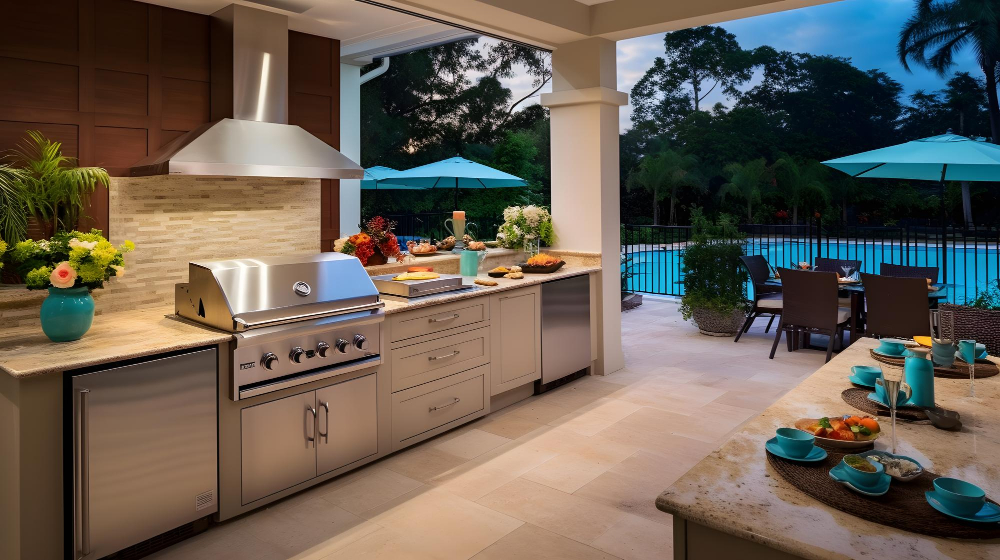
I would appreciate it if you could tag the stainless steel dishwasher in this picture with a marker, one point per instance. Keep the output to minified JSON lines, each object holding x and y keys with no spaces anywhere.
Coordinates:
{"x":145,"y":450}
{"x":565,"y":327}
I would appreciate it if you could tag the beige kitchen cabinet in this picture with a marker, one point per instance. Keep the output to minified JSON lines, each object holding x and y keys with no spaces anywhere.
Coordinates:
{"x":516,"y":345}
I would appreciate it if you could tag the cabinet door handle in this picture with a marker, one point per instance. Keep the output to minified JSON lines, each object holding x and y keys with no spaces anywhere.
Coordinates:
{"x":315,"y":425}
{"x":443,"y":319}
{"x":325,"y":435}
{"x":452,"y":403}
{"x":435,"y":358}
{"x":83,"y":466}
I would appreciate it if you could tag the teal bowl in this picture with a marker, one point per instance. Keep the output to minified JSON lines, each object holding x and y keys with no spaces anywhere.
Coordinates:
{"x":795,"y":442}
{"x":890,"y":347}
{"x":863,"y":479}
{"x":868,"y":374}
{"x":959,"y":497}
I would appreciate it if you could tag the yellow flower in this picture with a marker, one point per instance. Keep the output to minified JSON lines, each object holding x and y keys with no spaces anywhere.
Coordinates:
{"x":103,"y":253}
{"x":127,"y":247}
{"x":91,"y":272}
{"x":119,"y":270}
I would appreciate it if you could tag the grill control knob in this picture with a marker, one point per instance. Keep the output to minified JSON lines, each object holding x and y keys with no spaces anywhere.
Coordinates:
{"x":296,"y":354}
{"x":268,"y":360}
{"x":360,"y":342}
{"x":341,"y":345}
{"x":322,"y":348}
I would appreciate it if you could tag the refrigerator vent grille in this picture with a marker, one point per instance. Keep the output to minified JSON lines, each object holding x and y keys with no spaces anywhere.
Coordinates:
{"x":203,"y":500}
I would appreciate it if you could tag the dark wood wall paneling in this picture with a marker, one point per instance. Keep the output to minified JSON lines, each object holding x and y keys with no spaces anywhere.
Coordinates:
{"x":314,"y":104}
{"x":114,"y":80}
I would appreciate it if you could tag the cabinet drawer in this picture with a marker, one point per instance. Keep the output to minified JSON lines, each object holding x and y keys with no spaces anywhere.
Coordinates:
{"x":439,"y":318}
{"x":420,"y":410}
{"x":421,"y":363}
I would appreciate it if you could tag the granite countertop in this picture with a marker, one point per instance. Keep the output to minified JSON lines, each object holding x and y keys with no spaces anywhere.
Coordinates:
{"x":398,"y":305}
{"x":26,"y":351}
{"x":735,"y":491}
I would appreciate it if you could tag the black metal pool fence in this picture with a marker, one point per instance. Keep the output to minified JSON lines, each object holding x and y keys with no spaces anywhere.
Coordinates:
{"x":968,"y":258}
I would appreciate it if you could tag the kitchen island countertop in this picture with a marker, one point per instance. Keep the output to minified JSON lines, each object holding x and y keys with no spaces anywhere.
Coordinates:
{"x":25,"y":351}
{"x":735,"y":491}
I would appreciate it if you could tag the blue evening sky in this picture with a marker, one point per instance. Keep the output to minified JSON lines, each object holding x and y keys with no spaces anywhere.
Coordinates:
{"x":865,"y":31}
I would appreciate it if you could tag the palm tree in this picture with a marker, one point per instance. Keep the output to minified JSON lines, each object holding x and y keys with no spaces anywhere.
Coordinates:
{"x":799,"y":184}
{"x":941,"y":28}
{"x":13,"y":211}
{"x":744,"y":181}
{"x":667,"y":175}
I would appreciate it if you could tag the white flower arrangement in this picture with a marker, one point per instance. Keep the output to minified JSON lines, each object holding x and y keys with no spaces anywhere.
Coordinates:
{"x":522,"y":221}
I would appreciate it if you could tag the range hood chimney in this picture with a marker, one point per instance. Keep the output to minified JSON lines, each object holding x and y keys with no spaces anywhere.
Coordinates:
{"x":249,"y":135}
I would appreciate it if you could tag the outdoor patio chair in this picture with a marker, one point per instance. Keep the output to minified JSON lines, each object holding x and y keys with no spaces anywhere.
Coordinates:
{"x":766,"y":299}
{"x":824,"y":264}
{"x":901,"y":271}
{"x":897,"y":307}
{"x":810,"y":306}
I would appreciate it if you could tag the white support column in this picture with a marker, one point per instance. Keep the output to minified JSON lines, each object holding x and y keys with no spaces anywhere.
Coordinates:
{"x":585,"y":197}
{"x":350,"y":146}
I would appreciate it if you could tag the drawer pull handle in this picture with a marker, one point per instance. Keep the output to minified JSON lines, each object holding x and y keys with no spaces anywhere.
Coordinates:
{"x":452,"y":403}
{"x":443,"y":319}
{"x":435,"y":358}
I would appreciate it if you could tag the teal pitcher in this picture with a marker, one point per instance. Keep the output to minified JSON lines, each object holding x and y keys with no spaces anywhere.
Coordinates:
{"x":67,"y":313}
{"x":469,"y":262}
{"x":919,"y":371}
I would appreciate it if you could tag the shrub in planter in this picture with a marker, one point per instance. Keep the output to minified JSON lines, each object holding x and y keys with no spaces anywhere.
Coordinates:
{"x":714,"y":292}
{"x":979,"y":319}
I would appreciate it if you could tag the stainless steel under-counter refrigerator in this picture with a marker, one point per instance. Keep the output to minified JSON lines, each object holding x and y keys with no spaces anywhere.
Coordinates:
{"x":144,"y":450}
{"x":565,"y":327}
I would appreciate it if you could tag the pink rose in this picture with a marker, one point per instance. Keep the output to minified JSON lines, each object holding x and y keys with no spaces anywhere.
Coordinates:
{"x":63,"y":276}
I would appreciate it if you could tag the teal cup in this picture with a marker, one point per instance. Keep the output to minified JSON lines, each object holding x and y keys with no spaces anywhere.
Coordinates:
{"x":967,"y":349}
{"x":868,"y":374}
{"x":958,"y":496}
{"x":890,"y":347}
{"x":863,"y":479}
{"x":920,"y":377}
{"x":943,"y":353}
{"x":795,"y":442}
{"x":880,"y":392}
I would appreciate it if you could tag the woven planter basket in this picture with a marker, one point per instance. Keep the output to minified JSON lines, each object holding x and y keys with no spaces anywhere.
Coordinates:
{"x":713,"y":323}
{"x":981,"y":325}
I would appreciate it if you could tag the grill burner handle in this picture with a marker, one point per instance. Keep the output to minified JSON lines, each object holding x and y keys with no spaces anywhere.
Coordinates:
{"x":322,"y":348}
{"x":268,"y":360}
{"x":360,"y":342}
{"x":296,"y":354}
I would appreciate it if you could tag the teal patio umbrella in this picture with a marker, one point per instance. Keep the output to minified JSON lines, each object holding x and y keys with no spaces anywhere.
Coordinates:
{"x":376,"y":178}
{"x":947,"y":157}
{"x":456,"y":173}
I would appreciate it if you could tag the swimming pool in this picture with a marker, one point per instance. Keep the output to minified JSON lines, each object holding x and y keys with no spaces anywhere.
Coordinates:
{"x":970,"y":267}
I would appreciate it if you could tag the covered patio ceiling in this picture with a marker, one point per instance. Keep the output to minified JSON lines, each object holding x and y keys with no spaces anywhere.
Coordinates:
{"x":550,"y":23}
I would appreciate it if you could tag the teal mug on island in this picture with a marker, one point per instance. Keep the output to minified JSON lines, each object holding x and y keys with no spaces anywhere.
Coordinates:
{"x":469,"y":262}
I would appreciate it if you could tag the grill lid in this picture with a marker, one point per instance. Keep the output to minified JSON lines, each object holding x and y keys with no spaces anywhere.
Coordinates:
{"x":240,"y":294}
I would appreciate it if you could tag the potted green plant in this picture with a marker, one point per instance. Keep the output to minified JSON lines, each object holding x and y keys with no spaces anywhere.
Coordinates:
{"x":69,"y":265}
{"x":978,"y":319}
{"x":714,"y":291}
{"x":52,"y":189}
{"x":525,"y":223}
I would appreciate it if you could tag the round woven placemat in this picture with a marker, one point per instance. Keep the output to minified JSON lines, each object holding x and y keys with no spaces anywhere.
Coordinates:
{"x":903,"y":506}
{"x":858,"y":398}
{"x":959,"y":370}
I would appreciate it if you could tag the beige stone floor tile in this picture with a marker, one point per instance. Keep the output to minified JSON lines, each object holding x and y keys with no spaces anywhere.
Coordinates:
{"x":517,"y":457}
{"x":554,"y":439}
{"x":573,"y":469}
{"x":509,"y":426}
{"x":570,"y":516}
{"x":637,"y":538}
{"x":661,"y":432}
{"x":371,"y":491}
{"x":309,"y":530}
{"x":421,"y":463}
{"x":446,"y":524}
{"x":386,"y":544}
{"x":225,"y":542}
{"x":529,"y":542}
{"x":471,"y":444}
{"x":596,"y":416}
{"x":579,"y":393}
{"x":748,"y":400}
{"x":538,"y":410}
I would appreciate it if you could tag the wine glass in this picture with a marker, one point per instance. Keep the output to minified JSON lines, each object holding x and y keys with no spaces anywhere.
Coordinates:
{"x":892,"y":382}
{"x":967,"y":349}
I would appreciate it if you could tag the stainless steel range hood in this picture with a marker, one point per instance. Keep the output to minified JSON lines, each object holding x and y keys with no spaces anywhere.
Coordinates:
{"x":249,"y":135}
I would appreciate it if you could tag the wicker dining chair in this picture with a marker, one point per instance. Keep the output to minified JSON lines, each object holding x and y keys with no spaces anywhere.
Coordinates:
{"x":897,"y":307}
{"x":766,"y":298}
{"x":901,"y":271}
{"x":824,"y":264}
{"x":809,"y":304}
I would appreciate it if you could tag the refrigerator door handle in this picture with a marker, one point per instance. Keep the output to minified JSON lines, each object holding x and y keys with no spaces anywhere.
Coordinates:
{"x":83,"y":469}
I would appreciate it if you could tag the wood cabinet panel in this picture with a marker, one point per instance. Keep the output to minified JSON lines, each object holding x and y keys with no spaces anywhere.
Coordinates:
{"x":118,"y":148}
{"x":120,"y":92}
{"x":41,"y":30}
{"x":11,"y":132}
{"x":311,"y":112}
{"x":29,"y":83}
{"x":185,"y":46}
{"x":122,"y":33}
{"x":517,"y":339}
{"x":310,"y":60}
{"x":186,"y":104}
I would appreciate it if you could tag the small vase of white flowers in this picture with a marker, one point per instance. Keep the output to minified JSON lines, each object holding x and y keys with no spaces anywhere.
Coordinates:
{"x":522,"y":223}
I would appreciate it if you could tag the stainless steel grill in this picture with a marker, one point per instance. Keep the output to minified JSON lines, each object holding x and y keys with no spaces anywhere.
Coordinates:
{"x":295,"y":319}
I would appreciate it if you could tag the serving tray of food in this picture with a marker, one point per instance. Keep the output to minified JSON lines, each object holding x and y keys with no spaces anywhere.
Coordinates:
{"x":542,"y":264}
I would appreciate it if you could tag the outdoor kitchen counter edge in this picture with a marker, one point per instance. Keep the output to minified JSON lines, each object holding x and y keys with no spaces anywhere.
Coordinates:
{"x":25,"y":351}
{"x":735,"y":491}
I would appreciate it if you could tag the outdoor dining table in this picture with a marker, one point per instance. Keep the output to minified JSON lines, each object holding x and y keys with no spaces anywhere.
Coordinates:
{"x":856,"y":291}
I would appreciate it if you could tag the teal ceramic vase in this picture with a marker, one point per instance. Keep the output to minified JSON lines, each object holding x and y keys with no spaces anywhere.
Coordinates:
{"x":67,"y":313}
